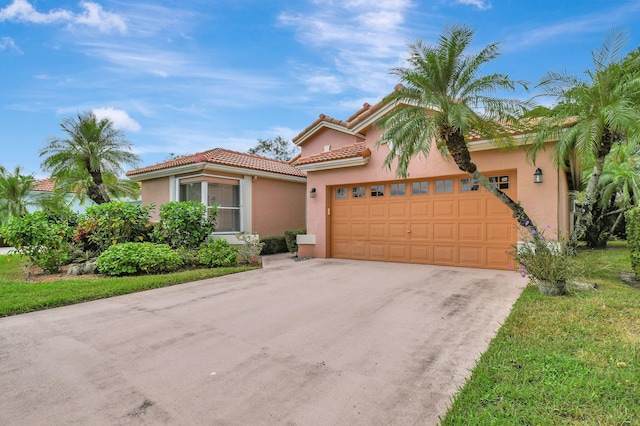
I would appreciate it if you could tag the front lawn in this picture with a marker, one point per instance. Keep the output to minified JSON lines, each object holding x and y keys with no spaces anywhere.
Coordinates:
{"x":571,"y":360}
{"x":18,"y":296}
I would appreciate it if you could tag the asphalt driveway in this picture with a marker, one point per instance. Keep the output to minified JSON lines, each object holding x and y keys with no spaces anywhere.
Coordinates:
{"x":316,"y":342}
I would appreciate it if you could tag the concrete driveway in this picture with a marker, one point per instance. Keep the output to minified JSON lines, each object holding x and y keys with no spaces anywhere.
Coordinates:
{"x":316,"y":342}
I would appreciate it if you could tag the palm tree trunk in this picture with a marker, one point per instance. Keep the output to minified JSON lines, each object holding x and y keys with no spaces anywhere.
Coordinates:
{"x":459,"y":150}
{"x":587,"y":227}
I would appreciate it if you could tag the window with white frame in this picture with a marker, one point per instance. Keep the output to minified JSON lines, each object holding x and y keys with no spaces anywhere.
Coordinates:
{"x":227,"y":197}
{"x":191,"y":191}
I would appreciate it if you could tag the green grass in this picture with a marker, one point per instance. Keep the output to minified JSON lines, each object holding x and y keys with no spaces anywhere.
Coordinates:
{"x":18,"y":296}
{"x":571,"y":360}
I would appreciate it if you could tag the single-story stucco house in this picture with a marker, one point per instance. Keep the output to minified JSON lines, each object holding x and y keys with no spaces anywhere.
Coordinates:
{"x":44,"y":188}
{"x":256,"y":195}
{"x":358,"y":209}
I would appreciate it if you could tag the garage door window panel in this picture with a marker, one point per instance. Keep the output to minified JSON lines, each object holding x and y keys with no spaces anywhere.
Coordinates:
{"x":358,"y":192}
{"x":341,"y":193}
{"x":444,"y":186}
{"x":397,"y":189}
{"x":377,"y":190}
{"x":420,"y":188}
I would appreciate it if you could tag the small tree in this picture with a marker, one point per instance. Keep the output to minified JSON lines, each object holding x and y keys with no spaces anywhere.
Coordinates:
{"x":278,"y":149}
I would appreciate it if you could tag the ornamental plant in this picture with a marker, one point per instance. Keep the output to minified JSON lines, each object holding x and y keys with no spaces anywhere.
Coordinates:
{"x":184,"y":224}
{"x":45,"y":243}
{"x":218,"y":253}
{"x":633,"y":238}
{"x":250,"y":248}
{"x":138,"y":258}
{"x":542,"y":259}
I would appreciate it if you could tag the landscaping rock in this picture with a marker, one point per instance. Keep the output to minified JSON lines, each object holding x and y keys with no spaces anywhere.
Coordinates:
{"x":578,"y":286}
{"x":84,"y":268}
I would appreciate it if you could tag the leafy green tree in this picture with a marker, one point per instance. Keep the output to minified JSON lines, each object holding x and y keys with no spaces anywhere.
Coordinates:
{"x":444,"y":98}
{"x":590,"y":117}
{"x":15,"y":193}
{"x":92,"y":149}
{"x":278,"y":149}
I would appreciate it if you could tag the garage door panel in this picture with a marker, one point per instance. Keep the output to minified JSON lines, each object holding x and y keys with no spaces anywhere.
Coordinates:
{"x":398,"y":252}
{"x":444,"y":208}
{"x":501,"y":232}
{"x":470,"y":232}
{"x":497,"y":258}
{"x":398,"y":210}
{"x":398,"y":231}
{"x":421,"y":253}
{"x":378,"y":211}
{"x":359,"y":250}
{"x":341,"y":249}
{"x":496,"y":208}
{"x":421,"y":231}
{"x":421,"y":209}
{"x":341,"y":210}
{"x":470,"y":208}
{"x":444,"y":254}
{"x":444,"y":231}
{"x":378,"y":231}
{"x":471,"y":256}
{"x":359,"y":231}
{"x":340,"y":230}
{"x":359,"y":211}
{"x":378,"y":251}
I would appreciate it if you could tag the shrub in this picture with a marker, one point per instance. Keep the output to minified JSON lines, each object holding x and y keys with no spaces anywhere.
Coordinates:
{"x":184,"y":224}
{"x":543,"y":260}
{"x":274,"y":245}
{"x":290,"y":238}
{"x":138,"y":258}
{"x":218,"y":253}
{"x":46,"y":244}
{"x":250,"y":248}
{"x":633,"y":238}
{"x":189,"y":256}
{"x":112,"y":223}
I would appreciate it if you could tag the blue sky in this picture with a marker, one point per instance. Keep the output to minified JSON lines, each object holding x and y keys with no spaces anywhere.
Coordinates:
{"x":185,"y":76}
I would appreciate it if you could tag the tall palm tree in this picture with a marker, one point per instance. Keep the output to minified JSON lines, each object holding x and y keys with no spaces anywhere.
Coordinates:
{"x":591,"y":116}
{"x":15,"y":193}
{"x":77,"y":182}
{"x":443,"y":98}
{"x":91,"y":148}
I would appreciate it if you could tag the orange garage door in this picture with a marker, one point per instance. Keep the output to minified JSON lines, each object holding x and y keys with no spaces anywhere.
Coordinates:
{"x":441,"y":221}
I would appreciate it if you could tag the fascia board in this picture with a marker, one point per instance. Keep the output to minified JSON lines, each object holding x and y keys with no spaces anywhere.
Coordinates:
{"x":334,"y":164}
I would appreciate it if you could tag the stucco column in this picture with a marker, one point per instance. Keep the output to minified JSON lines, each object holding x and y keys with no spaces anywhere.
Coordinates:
{"x":246,"y":205}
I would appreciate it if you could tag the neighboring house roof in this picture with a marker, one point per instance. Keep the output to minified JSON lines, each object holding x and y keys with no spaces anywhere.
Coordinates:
{"x":346,"y":156}
{"x":43,"y":185}
{"x":224,"y":157}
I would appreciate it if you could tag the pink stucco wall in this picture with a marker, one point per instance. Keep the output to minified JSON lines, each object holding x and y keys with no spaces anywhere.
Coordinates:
{"x":155,"y":191}
{"x":546,"y":203}
{"x":277,"y":206}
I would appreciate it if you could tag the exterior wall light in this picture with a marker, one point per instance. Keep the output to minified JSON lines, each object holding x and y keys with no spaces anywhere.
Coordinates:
{"x":312,"y":193}
{"x":537,"y":176}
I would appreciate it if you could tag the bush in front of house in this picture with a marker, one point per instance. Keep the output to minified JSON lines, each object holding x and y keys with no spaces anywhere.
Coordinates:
{"x":46,"y":244}
{"x":138,"y":258}
{"x":633,"y":238}
{"x":290,"y":238}
{"x":274,"y":245}
{"x":218,"y":253}
{"x":116,"y":222}
{"x":184,"y":224}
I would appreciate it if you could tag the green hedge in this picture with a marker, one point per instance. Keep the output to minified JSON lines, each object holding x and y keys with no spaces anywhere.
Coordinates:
{"x":633,"y":238}
{"x":274,"y":245}
{"x":138,"y":258}
{"x":290,"y":238}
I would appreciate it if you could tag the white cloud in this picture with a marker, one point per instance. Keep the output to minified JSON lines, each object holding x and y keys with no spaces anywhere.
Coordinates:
{"x":8,"y":43}
{"x":480,"y":4}
{"x":92,"y":16}
{"x":362,"y":40}
{"x":120,"y":118}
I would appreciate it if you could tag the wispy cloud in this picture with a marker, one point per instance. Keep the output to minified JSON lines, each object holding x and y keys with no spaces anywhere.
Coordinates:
{"x":360,"y":41}
{"x":581,"y":24}
{"x":92,"y":15}
{"x":119,"y":117}
{"x":8,"y":43}
{"x":480,"y":4}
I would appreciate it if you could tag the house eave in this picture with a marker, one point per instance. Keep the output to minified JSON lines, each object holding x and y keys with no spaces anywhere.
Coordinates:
{"x":327,"y":125}
{"x":199,"y":167}
{"x":334,"y":164}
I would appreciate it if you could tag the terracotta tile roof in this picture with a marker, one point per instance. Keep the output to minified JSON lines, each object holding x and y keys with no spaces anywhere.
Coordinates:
{"x":43,"y":185}
{"x":358,"y":149}
{"x":226,"y":158}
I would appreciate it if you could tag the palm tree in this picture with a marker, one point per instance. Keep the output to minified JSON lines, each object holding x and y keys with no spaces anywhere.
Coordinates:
{"x":77,"y":182}
{"x":15,"y":193}
{"x":443,"y":98}
{"x":591,"y":116}
{"x":91,"y":148}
